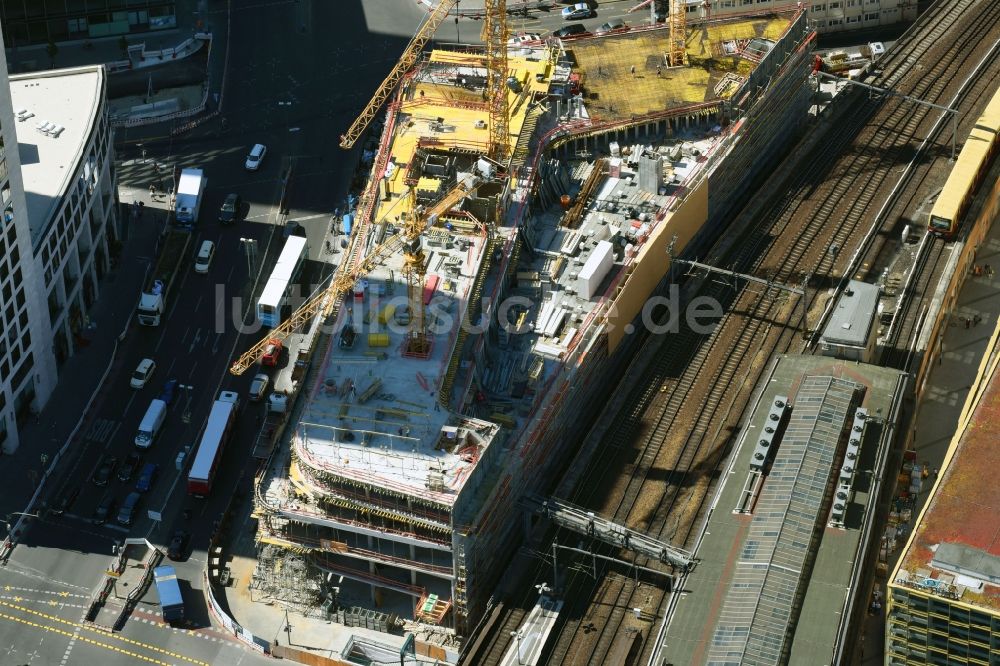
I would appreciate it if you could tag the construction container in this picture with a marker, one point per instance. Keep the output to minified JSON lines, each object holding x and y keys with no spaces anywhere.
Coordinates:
{"x":378,"y":339}
{"x":385,"y":314}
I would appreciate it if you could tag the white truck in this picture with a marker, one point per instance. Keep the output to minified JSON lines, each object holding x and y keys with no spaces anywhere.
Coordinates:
{"x":190,"y":189}
{"x":153,"y":302}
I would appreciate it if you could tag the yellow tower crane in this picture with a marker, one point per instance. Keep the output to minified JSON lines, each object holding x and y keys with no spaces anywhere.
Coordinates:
{"x":495,"y":38}
{"x":678,"y":32}
{"x":408,"y":58}
{"x":328,"y":301}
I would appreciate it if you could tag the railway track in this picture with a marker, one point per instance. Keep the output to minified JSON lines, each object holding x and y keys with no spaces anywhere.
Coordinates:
{"x":687,"y":399}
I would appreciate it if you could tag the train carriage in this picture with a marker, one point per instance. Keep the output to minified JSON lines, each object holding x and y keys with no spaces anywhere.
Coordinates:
{"x":970,"y":167}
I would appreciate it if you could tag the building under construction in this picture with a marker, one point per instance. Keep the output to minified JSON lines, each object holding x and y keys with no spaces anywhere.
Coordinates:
{"x":471,"y":355}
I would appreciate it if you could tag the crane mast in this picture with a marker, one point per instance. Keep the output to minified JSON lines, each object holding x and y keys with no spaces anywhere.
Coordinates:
{"x":495,"y":38}
{"x":678,"y":32}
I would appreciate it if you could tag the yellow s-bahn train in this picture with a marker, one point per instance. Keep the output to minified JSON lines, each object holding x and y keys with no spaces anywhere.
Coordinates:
{"x":970,"y":167}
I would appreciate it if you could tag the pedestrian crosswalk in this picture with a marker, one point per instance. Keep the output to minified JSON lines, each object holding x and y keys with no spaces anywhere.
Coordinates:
{"x":101,"y":430}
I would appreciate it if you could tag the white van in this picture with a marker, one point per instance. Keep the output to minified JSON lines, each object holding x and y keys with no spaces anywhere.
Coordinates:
{"x":151,"y":423}
{"x":205,"y":254}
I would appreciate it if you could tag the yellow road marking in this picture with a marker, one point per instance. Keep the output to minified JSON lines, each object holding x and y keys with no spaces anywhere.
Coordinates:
{"x":70,"y":634}
{"x":98,"y":630}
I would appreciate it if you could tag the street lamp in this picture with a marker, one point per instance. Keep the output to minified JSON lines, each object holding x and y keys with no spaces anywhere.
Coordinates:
{"x":517,"y":635}
{"x":250,"y":247}
{"x":186,"y":414}
{"x":16,"y":513}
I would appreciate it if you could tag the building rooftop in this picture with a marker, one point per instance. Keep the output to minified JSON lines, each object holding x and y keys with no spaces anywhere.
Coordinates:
{"x":66,"y":98}
{"x":954,"y":548}
{"x":739,"y":600}
{"x":853,"y":317}
{"x":373,"y":417}
{"x":721,"y":54}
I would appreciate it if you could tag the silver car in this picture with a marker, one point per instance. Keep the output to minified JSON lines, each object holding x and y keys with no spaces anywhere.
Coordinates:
{"x":258,"y":387}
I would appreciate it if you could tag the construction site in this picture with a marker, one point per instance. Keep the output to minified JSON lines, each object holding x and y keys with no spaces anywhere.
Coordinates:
{"x":494,"y":288}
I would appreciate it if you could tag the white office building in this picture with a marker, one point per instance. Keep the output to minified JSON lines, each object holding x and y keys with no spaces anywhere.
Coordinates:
{"x":57,"y":188}
{"x":824,"y":15}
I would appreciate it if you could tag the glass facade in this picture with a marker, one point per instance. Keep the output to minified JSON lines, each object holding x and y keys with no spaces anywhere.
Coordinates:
{"x":925,"y":629}
{"x":26,"y":22}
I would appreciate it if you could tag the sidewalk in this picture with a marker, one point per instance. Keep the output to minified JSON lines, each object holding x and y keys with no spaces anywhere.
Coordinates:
{"x":107,"y":49}
{"x":947,"y":386}
{"x":81,"y":373}
{"x":474,"y":9}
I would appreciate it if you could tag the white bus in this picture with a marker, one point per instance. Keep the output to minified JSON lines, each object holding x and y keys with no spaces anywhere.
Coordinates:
{"x":286,"y":271}
{"x":213,"y":444}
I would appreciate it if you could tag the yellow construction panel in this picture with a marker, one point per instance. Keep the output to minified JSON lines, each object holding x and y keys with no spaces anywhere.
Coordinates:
{"x":652,"y":263}
{"x":452,"y":117}
{"x":626,"y":75}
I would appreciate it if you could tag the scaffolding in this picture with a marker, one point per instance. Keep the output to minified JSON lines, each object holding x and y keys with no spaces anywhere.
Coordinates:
{"x":284,"y":574}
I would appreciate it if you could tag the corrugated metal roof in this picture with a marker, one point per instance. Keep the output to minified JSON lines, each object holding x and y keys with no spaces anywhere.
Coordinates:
{"x":853,"y":316}
{"x":760,"y":605}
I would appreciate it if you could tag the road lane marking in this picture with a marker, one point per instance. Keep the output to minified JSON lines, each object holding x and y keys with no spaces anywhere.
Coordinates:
{"x":197,"y":304}
{"x":73,"y":636}
{"x":196,"y":340}
{"x":98,"y":630}
{"x":70,"y":646}
{"x":184,"y":337}
{"x":171,"y":366}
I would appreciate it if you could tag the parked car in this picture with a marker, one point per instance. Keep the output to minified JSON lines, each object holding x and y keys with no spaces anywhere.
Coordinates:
{"x":523,"y":38}
{"x":571,"y":30}
{"x":613,"y":25}
{"x":129,"y":467}
{"x":230,"y":211}
{"x":258,"y":387}
{"x":169,"y":389}
{"x":272,"y":352}
{"x":142,"y":373}
{"x":178,"y":545}
{"x":127,"y":513}
{"x":66,"y":500}
{"x":147,"y":477}
{"x":104,"y":509}
{"x":105,"y":471}
{"x":256,"y":156}
{"x":580,"y":10}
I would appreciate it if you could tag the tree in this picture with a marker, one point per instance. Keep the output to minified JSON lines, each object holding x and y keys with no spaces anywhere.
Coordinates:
{"x":53,"y":51}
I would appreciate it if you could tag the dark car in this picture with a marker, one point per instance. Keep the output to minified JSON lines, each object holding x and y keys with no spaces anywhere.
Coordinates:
{"x":230,"y":212}
{"x":147,"y":477}
{"x":614,"y":25}
{"x":571,"y":30}
{"x":65,"y":501}
{"x":129,"y":467}
{"x":107,"y":469}
{"x":105,"y":509}
{"x":178,"y":545}
{"x":127,"y":513}
{"x":169,"y":389}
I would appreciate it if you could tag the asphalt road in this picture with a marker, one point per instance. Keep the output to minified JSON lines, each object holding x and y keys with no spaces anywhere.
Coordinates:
{"x":299,"y":72}
{"x":544,"y":22}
